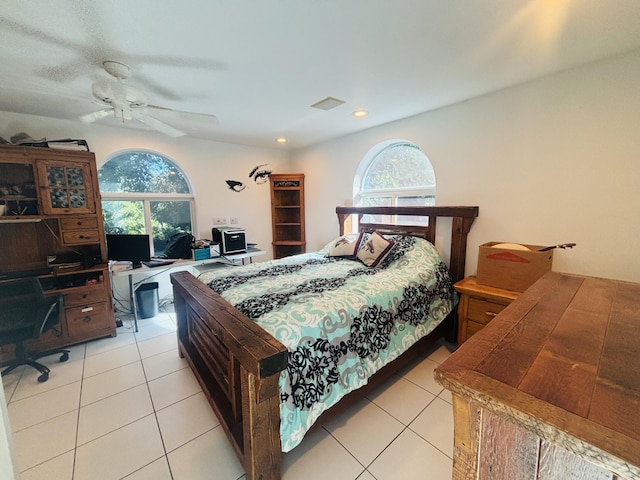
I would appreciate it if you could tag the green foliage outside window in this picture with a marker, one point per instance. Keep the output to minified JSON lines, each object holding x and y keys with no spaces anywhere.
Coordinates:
{"x":141,"y":172}
{"x":144,"y":175}
{"x":398,"y":166}
{"x":123,"y":217}
{"x":395,"y":173}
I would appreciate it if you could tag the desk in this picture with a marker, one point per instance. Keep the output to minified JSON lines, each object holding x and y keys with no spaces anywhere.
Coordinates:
{"x":121,"y":269}
{"x":549,"y":389}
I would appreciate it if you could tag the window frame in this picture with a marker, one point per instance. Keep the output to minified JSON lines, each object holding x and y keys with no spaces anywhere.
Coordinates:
{"x":148,"y":197}
{"x":394,"y":193}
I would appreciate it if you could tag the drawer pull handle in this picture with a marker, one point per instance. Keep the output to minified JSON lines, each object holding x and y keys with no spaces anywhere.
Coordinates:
{"x":87,"y":309}
{"x":490,"y":314}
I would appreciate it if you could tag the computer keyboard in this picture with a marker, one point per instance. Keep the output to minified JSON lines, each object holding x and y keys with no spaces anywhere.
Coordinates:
{"x":157,"y":263}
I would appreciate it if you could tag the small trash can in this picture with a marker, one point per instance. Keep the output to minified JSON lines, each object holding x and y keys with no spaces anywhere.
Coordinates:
{"x":147,"y":300}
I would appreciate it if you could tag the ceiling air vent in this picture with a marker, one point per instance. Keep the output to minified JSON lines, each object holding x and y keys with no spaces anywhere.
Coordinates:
{"x":328,"y":103}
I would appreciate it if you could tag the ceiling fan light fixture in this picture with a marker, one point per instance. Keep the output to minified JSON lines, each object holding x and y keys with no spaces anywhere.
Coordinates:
{"x":118,"y":70}
{"x":122,"y":112}
{"x":128,"y":103}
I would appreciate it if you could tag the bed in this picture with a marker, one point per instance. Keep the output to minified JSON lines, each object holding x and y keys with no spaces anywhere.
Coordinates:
{"x":268,"y":393}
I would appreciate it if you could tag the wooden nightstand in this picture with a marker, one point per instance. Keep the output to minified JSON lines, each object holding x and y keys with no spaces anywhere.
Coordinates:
{"x":478,"y":305}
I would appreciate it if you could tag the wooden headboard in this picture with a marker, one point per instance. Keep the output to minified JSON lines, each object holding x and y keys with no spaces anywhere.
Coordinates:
{"x":462,"y":219}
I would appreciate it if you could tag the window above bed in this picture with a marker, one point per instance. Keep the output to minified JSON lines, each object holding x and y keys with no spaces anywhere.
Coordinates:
{"x":395,"y":173}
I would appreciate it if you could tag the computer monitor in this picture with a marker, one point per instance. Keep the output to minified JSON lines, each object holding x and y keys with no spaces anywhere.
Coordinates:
{"x":129,"y":248}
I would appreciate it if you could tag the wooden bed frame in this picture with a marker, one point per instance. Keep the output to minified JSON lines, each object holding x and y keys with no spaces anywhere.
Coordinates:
{"x":238,"y":364}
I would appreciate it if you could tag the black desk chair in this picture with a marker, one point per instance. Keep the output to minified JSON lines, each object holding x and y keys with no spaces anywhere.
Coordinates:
{"x":26,"y":313}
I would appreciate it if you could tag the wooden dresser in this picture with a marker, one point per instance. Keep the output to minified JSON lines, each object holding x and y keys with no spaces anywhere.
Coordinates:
{"x":551,"y":387}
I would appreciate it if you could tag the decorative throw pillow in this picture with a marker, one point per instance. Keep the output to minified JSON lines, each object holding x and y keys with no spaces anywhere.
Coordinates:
{"x":373,"y":250}
{"x":344,"y":248}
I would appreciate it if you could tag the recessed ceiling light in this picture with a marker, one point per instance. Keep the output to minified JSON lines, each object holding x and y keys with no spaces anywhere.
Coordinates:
{"x":360,"y":113}
{"x":281,"y":140}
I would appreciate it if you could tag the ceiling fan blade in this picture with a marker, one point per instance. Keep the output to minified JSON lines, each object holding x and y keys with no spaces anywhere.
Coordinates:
{"x":158,"y":125}
{"x":212,"y":119}
{"x":93,"y":116}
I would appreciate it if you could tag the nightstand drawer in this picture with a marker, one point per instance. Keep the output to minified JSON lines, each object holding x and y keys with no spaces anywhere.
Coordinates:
{"x":479,"y":305}
{"x":483,"y":311}
{"x":473,"y":327}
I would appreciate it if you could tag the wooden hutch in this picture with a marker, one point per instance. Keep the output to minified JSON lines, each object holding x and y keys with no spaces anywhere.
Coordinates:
{"x":51,"y":227}
{"x":287,"y":214}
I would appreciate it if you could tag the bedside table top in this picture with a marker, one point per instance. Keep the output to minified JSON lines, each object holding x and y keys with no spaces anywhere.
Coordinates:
{"x":470,"y":286}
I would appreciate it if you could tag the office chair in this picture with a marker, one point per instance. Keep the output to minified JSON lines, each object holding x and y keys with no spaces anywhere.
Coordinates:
{"x":25,"y":313}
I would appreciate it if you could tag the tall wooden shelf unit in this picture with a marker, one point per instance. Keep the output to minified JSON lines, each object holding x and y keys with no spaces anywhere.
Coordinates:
{"x":287,"y":214}
{"x":52,"y":209}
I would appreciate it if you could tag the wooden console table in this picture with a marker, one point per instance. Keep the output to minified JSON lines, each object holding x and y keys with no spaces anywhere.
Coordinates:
{"x":551,"y":387}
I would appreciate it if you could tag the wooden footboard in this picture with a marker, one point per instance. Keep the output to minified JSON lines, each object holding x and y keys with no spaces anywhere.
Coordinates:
{"x":238,"y":366}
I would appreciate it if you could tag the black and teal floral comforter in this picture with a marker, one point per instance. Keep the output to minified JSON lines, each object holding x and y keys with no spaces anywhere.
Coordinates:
{"x":340,"y":320}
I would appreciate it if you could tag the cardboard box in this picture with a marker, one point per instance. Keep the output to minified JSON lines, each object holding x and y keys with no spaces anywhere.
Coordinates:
{"x":512,"y":269}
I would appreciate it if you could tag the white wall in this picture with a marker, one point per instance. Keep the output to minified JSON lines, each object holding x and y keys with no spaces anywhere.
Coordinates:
{"x":207,"y":164}
{"x":551,"y":161}
{"x":8,"y":467}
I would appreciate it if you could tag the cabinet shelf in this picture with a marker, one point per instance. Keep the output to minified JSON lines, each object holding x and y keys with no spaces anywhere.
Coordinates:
{"x":289,"y":242}
{"x":21,"y":219}
{"x":17,"y":198}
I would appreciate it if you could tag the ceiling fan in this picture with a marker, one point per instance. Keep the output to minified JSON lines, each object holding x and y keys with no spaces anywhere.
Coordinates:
{"x":126,"y":102}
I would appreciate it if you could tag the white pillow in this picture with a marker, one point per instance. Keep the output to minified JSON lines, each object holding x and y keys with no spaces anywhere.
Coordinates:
{"x":373,"y":249}
{"x":346,"y":246}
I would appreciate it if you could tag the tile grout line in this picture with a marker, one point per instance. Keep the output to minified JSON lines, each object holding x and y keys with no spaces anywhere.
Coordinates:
{"x":75,"y":450}
{"x":155,"y":413}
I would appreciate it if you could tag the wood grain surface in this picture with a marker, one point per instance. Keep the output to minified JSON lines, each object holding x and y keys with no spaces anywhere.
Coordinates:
{"x":563,"y":362}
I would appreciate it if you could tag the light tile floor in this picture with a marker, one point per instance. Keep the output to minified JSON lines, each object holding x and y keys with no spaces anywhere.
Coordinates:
{"x":129,"y":407}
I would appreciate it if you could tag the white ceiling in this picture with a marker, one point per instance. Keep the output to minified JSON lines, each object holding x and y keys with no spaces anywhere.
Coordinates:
{"x":258,"y":65}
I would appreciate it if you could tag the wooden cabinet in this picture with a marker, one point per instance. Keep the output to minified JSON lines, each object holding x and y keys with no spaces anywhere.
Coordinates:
{"x":287,"y":214}
{"x":479,"y":304}
{"x":51,"y":227}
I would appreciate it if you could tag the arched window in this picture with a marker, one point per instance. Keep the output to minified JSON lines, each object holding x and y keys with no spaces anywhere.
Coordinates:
{"x":145,"y":192}
{"x":394,"y":173}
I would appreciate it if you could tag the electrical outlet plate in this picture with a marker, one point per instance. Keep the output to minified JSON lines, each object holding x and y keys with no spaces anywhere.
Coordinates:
{"x":233,"y":220}
{"x":220,"y":220}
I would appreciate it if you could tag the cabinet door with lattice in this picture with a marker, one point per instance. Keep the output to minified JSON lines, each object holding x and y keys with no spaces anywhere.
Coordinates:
{"x":65,"y":187}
